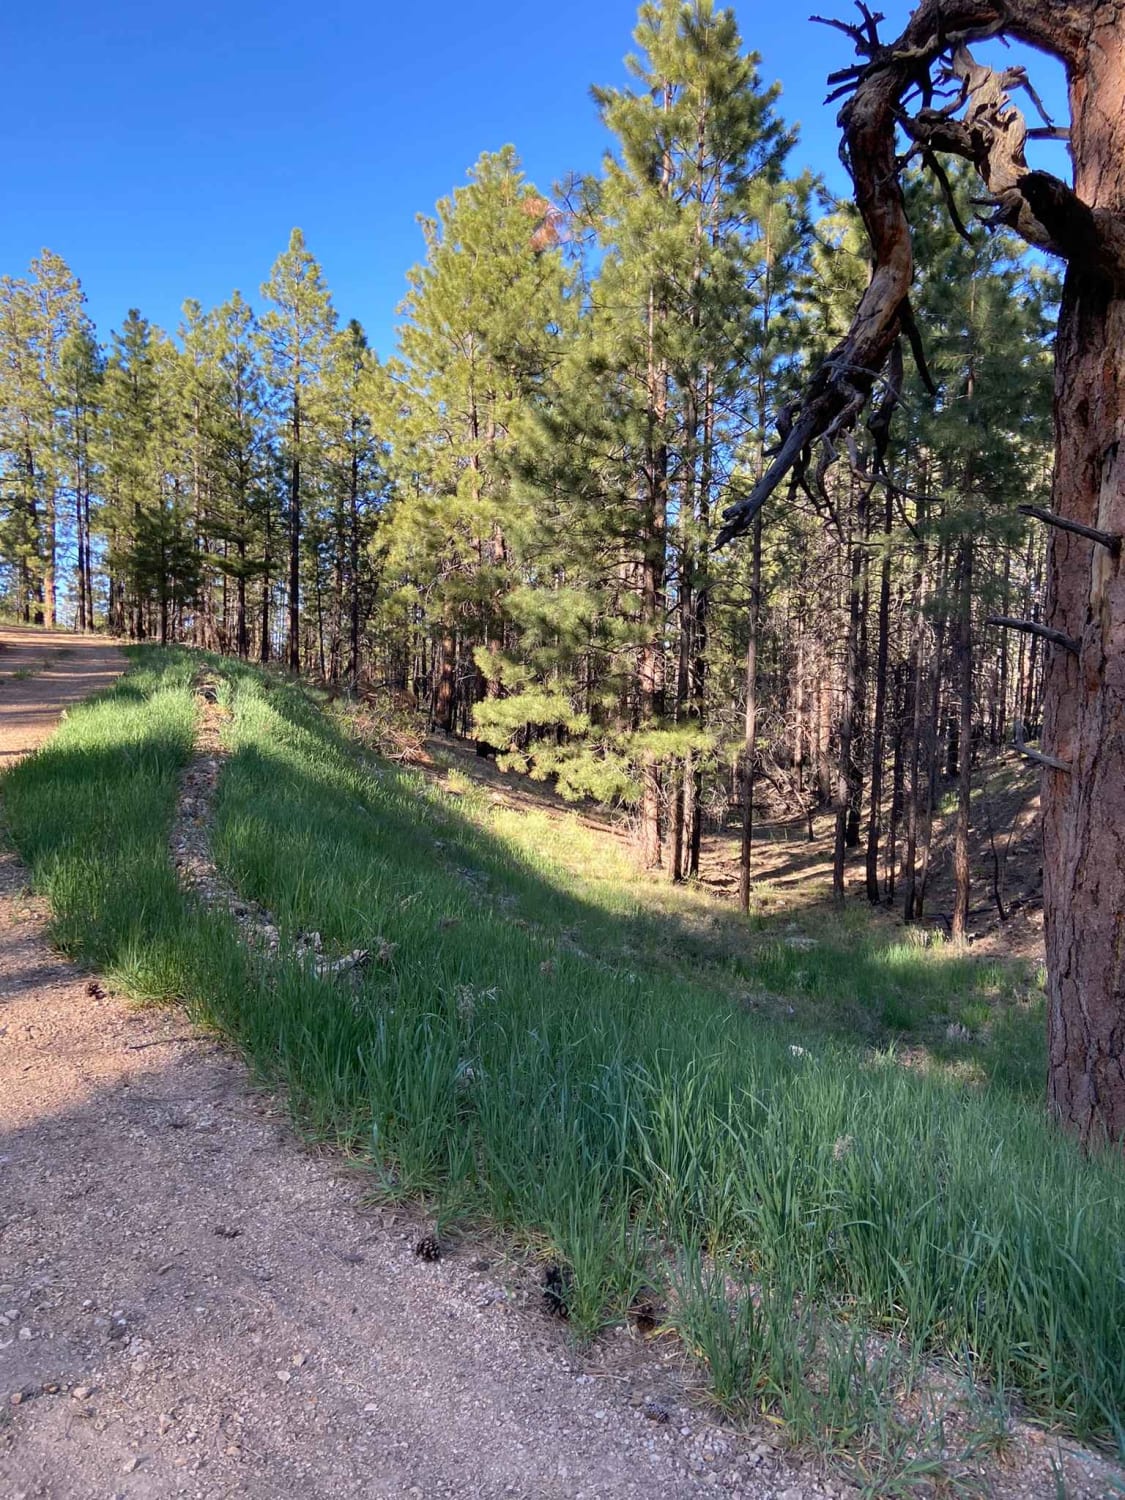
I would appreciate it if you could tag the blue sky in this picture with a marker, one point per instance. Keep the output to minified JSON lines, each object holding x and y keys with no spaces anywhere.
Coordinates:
{"x":165,"y":148}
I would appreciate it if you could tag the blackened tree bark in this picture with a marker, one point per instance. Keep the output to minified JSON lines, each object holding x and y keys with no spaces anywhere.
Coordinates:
{"x":875,"y":821}
{"x":746,"y":848}
{"x":961,"y":868}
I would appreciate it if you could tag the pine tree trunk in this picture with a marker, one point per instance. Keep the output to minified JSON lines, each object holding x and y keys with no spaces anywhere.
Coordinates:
{"x":859,"y":606}
{"x":353,"y":571}
{"x":295,"y":540}
{"x":651,"y":667}
{"x":845,"y":776}
{"x":50,"y":551}
{"x":961,"y":868}
{"x":1084,"y":709}
{"x":443,"y":700}
{"x":874,"y":826}
{"x":746,"y":847}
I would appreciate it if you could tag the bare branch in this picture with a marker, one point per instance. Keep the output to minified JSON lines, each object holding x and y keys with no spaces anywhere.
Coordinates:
{"x":1040,"y":759}
{"x":1105,"y":539}
{"x":1032,"y":627}
{"x":991,"y":134}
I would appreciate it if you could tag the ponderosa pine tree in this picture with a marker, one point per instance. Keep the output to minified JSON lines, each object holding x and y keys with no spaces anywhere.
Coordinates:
{"x":984,"y":312}
{"x":20,"y":407}
{"x":485,"y":315}
{"x":297,"y":336}
{"x":124,"y":452}
{"x":355,"y":489}
{"x":650,"y":400}
{"x":238,"y":432}
{"x":81,"y":373}
{"x":37,"y":316}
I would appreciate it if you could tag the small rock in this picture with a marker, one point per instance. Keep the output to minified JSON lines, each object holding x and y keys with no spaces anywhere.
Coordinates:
{"x":284,"y":1376}
{"x":81,"y":1392}
{"x":130,"y":1464}
{"x":26,"y":1335}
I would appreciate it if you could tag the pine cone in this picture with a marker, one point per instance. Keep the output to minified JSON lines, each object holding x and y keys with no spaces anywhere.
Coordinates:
{"x":428,"y":1248}
{"x":557,"y":1284}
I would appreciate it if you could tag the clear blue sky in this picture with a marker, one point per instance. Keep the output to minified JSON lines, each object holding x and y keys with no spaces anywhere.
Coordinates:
{"x":166,"y":148}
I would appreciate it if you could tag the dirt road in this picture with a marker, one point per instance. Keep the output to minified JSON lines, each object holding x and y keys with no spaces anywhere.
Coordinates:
{"x":40,"y":675}
{"x":192,"y":1304}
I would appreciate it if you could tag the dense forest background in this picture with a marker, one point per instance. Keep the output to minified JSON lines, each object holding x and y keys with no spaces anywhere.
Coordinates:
{"x":508,"y":524}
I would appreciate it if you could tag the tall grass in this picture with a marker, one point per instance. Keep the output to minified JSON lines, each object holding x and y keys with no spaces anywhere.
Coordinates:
{"x":508,"y":1058}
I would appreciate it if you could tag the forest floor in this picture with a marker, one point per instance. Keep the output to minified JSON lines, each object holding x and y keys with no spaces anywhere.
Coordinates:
{"x":792,"y":873}
{"x":196,"y":1298}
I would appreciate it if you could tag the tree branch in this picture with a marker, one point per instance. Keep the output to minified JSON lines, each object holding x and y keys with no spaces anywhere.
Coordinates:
{"x":1105,"y":539}
{"x":1020,"y":744}
{"x":1032,"y":627}
{"x":991,"y":135}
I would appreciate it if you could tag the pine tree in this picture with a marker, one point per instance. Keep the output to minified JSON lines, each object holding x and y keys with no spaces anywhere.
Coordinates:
{"x":297,"y":334}
{"x":652,"y":394}
{"x":82,"y":370}
{"x":486,"y":312}
{"x":356,"y":492}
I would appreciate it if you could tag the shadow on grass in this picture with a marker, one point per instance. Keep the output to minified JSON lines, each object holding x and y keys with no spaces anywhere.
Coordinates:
{"x":596,"y":1101}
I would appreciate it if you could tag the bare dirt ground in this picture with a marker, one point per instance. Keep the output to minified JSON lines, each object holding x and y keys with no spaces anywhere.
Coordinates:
{"x":41,"y":674}
{"x":191,"y":1303}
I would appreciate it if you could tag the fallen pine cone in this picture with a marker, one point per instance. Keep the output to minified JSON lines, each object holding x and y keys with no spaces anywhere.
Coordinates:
{"x":428,"y":1248}
{"x":557,"y":1284}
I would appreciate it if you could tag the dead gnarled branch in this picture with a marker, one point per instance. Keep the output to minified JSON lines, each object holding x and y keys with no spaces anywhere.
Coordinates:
{"x":981,"y":125}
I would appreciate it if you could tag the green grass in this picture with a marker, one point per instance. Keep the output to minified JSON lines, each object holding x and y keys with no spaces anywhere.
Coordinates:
{"x":557,"y":1046}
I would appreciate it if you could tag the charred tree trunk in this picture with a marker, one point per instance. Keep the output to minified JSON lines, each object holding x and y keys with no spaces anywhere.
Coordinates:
{"x":874,"y":826}
{"x":746,"y":847}
{"x":961,"y":869}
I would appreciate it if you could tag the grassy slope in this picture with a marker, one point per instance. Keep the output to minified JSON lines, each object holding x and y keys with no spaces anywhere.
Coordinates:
{"x":555,"y":1045}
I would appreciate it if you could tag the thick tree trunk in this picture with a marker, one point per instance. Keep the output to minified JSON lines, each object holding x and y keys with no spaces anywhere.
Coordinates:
{"x":1084,"y":710}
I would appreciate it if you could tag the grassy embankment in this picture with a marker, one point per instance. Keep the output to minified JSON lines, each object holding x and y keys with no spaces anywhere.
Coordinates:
{"x":609,"y":1070}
